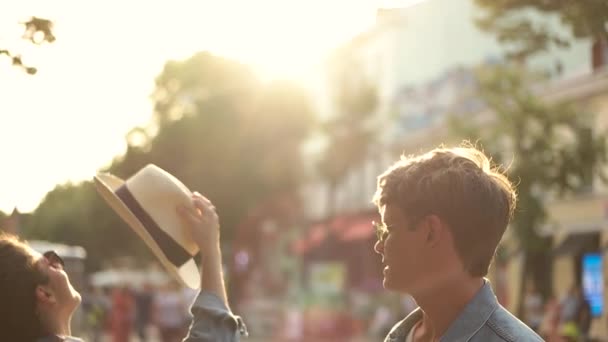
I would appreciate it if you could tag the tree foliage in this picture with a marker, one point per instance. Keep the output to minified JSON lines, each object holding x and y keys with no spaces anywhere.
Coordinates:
{"x":216,"y":128}
{"x":37,"y":31}
{"x":74,"y":214}
{"x":511,"y":22}
{"x":350,"y":132}
{"x":551,"y":150}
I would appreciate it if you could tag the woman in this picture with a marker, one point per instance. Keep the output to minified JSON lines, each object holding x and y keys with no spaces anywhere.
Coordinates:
{"x":37,"y":300}
{"x":36,"y":295}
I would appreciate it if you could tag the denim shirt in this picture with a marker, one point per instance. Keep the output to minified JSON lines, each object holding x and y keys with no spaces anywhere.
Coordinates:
{"x":213,"y":321}
{"x":483,"y":319}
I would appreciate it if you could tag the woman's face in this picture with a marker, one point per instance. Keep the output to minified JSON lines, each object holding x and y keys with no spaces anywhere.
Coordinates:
{"x":65,"y":299}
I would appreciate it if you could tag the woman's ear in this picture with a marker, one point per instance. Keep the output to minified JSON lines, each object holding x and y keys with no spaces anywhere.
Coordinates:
{"x":44,"y":295}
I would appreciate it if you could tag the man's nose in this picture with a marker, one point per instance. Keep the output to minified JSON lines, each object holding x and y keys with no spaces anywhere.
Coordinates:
{"x":379,"y":247}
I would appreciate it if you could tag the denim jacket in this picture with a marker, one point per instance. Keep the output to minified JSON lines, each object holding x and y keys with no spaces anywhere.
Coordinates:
{"x":483,"y":319}
{"x":213,"y":321}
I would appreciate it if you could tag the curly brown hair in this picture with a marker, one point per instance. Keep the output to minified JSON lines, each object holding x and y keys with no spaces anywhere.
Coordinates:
{"x":460,"y":186}
{"x":19,"y":278}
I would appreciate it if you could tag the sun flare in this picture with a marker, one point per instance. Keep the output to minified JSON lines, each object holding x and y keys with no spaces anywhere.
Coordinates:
{"x":93,"y":83}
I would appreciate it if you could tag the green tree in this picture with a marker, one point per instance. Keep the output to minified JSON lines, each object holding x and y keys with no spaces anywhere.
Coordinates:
{"x":37,"y":31}
{"x":183,"y":87}
{"x":226,"y":134}
{"x":75,"y":214}
{"x":550,"y":150}
{"x":350,"y":131}
{"x":216,"y":128}
{"x":511,"y":22}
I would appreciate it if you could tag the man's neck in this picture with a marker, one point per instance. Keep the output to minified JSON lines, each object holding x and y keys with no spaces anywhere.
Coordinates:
{"x":443,"y":304}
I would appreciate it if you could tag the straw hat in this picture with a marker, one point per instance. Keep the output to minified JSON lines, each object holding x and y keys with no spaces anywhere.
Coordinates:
{"x":147,"y":201}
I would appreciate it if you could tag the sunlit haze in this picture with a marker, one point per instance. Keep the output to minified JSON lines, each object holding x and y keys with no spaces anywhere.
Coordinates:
{"x":94,"y":82}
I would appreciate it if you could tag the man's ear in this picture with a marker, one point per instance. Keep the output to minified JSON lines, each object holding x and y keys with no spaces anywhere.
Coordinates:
{"x":435,"y":230}
{"x":44,"y":295}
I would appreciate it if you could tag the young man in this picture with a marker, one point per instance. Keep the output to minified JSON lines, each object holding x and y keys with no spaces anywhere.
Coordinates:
{"x":443,"y":215}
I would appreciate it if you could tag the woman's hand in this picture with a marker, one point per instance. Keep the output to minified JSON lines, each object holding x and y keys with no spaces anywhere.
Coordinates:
{"x":203,"y":223}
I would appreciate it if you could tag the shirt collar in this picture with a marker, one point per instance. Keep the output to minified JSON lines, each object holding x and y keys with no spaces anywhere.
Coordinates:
{"x":475,"y":314}
{"x":401,"y":329}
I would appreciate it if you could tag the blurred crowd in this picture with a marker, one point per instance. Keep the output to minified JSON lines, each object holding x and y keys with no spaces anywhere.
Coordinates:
{"x":558,"y":319}
{"x":161,"y":313}
{"x":148,"y":312}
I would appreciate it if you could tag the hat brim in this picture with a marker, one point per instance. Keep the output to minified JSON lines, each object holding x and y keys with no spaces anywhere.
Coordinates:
{"x":187,"y":274}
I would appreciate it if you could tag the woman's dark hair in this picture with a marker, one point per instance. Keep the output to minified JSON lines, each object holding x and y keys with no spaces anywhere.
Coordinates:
{"x":19,"y":278}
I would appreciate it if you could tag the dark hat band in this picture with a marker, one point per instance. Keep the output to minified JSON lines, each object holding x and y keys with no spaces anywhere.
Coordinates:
{"x":175,"y":253}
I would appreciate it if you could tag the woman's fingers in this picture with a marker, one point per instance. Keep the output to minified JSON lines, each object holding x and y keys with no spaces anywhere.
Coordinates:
{"x":187,"y":214}
{"x":200,"y":206}
{"x":202,"y":198}
{"x":204,"y":205}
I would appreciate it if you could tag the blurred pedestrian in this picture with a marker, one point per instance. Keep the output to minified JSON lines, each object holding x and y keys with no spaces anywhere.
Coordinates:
{"x":533,"y":307}
{"x":95,"y":307}
{"x":576,"y":312}
{"x":143,"y":310}
{"x":583,"y":315}
{"x":122,"y":314}
{"x":549,"y":327}
{"x":169,"y":313}
{"x":569,"y":305}
{"x":569,"y":332}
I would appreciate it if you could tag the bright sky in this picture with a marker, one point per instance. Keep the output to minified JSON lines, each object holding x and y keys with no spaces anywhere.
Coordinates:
{"x":94,"y":82}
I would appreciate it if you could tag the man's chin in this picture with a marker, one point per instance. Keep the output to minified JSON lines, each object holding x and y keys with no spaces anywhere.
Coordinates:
{"x":390,"y":284}
{"x":387,"y":284}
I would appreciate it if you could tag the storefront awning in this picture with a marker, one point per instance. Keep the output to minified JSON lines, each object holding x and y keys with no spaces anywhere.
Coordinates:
{"x":577,"y":215}
{"x":576,"y":243}
{"x":357,"y":230}
{"x":345,"y":228}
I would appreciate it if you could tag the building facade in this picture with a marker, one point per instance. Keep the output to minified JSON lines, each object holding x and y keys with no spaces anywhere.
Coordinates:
{"x":422,"y":59}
